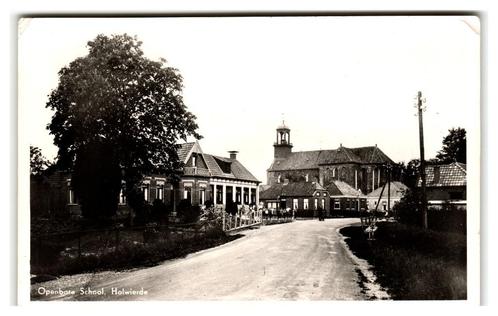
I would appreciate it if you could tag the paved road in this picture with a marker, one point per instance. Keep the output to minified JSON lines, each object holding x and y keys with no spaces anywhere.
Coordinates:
{"x":303,"y":260}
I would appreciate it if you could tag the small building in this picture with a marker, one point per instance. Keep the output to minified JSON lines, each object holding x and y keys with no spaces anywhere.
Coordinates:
{"x":306,"y":197}
{"x":344,"y":198}
{"x":446,"y":183}
{"x":396,"y":192}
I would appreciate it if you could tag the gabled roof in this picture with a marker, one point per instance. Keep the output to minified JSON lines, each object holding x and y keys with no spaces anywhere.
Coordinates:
{"x":371,"y":154}
{"x":184,"y":151}
{"x":312,"y":159}
{"x":292,"y":189}
{"x":341,"y":188}
{"x":453,"y":174}
{"x":397,"y":190}
{"x":237,"y":170}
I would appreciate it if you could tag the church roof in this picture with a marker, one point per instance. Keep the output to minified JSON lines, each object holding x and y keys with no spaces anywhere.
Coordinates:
{"x":312,"y":159}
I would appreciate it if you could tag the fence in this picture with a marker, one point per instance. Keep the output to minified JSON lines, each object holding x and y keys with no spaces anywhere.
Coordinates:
{"x":245,"y":217}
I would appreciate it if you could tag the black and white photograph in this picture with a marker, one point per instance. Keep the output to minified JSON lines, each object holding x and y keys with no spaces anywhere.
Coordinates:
{"x":250,"y":158}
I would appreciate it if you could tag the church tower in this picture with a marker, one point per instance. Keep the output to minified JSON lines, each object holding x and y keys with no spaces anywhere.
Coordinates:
{"x":283,"y":146}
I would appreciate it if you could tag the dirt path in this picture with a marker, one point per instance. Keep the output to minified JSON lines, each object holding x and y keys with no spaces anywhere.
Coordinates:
{"x":303,"y":260}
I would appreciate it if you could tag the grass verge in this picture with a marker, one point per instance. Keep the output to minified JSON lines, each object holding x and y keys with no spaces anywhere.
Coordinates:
{"x":129,"y":255}
{"x":414,"y":264}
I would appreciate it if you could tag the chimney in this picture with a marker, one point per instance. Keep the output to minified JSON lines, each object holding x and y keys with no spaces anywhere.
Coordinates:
{"x":437,"y":174}
{"x":233,"y":154}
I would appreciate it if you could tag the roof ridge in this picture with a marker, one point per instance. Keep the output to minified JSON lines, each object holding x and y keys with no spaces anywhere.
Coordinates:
{"x":458,"y":164}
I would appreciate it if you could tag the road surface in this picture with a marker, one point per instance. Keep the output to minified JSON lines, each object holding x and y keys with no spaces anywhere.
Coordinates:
{"x":303,"y":260}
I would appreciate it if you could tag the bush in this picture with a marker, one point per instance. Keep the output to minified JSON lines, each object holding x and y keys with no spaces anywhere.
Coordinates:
{"x":188,"y":212}
{"x":159,"y":212}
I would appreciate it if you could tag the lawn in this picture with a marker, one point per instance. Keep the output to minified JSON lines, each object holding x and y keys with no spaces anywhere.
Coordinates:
{"x":414,"y":264}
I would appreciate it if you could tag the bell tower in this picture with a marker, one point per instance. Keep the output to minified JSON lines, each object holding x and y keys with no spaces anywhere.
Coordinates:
{"x":283,"y":146}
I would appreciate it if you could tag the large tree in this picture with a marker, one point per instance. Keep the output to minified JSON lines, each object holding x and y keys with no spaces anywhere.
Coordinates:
{"x":118,"y":116}
{"x":454,"y":147}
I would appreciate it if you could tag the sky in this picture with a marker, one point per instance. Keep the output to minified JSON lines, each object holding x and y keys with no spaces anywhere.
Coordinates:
{"x":334,"y":80}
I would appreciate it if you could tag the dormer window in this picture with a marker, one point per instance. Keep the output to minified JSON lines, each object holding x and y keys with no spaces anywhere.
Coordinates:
{"x":193,"y":161}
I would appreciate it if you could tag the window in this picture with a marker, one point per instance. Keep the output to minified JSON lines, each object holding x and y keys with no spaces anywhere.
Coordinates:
{"x":71,"y":196}
{"x":306,"y":201}
{"x":202,"y":197}
{"x":307,"y":178}
{"x":246,"y":196}
{"x":193,"y":161}
{"x":219,"y":195}
{"x":237,"y":195}
{"x":333,"y":173}
{"x":145,"y":190}
{"x":323,"y":203}
{"x":279,"y":179}
{"x":187,"y":194}
{"x":384,"y":205}
{"x":160,"y":192}
{"x":316,"y":204}
{"x":294,"y":204}
{"x":337,"y":205}
{"x":122,"y":197}
{"x":348,"y":203}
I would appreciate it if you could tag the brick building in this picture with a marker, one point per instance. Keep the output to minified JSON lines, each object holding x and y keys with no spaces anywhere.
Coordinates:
{"x":346,"y":173}
{"x":204,"y":177}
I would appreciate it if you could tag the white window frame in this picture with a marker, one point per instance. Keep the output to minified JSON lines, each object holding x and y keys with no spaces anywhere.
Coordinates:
{"x":145,"y":190}
{"x":306,"y":204}
{"x":122,"y":197}
{"x":160,"y":192}
{"x":337,"y":205}
{"x":295,"y":204}
{"x":71,"y":196}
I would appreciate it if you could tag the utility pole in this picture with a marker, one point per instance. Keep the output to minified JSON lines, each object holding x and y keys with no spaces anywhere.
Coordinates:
{"x":422,"y":158}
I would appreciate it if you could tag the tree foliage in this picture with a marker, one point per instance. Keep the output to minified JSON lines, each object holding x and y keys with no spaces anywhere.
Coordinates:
{"x":118,"y":110}
{"x":454,"y":147}
{"x":37,"y":162}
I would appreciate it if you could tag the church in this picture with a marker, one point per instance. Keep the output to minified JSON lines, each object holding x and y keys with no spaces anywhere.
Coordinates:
{"x":341,"y":177}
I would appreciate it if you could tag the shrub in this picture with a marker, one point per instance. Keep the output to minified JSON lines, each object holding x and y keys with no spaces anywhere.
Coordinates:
{"x":188,"y":212}
{"x":159,"y":212}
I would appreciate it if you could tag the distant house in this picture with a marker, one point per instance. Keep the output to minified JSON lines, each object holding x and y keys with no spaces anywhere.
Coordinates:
{"x":305,"y":196}
{"x":446,"y":183}
{"x":204,"y":178}
{"x":343,"y":197}
{"x":396,"y":192}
